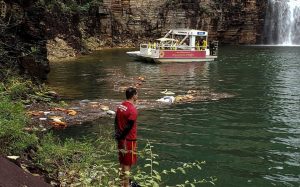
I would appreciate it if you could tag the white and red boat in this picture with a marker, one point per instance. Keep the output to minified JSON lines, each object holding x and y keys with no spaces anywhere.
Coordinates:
{"x":178,"y":45}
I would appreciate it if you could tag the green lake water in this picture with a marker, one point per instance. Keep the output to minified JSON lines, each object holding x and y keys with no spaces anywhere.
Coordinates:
{"x":250,"y":140}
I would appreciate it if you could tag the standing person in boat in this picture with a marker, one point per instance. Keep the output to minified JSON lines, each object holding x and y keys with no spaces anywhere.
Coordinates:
{"x":204,"y":44}
{"x":126,"y":133}
{"x":212,"y":48}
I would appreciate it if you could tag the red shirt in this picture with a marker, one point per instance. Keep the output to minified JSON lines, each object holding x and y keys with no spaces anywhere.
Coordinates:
{"x":125,"y":112}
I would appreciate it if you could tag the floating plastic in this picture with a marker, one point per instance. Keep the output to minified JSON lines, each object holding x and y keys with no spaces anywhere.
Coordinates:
{"x":166,"y":92}
{"x":167,"y":99}
{"x":110,"y":112}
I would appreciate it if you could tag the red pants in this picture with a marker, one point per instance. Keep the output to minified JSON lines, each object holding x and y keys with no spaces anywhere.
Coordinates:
{"x":127,"y":152}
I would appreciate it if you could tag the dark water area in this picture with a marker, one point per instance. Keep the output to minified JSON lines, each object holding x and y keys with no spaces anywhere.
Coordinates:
{"x":250,"y":140}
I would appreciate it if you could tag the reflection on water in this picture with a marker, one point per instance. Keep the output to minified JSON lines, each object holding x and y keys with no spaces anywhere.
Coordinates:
{"x":251,"y":140}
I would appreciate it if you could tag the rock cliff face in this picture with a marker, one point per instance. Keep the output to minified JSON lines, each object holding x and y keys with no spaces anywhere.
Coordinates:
{"x":229,"y":21}
{"x":126,"y":23}
{"x":22,"y":39}
{"x":31,"y":32}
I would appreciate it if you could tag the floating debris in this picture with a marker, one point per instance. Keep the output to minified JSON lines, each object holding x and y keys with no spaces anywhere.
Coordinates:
{"x":47,"y":112}
{"x":55,"y":117}
{"x":58,"y":109}
{"x":141,"y":78}
{"x":104,"y":108}
{"x":63,"y":117}
{"x":122,"y":88}
{"x":59,"y":124}
{"x":110,"y":112}
{"x":191,"y":92}
{"x":94,"y":104}
{"x":71,"y":112}
{"x":166,"y":92}
{"x":84,"y":101}
{"x":35,"y":113}
{"x":182,"y":98}
{"x":167,"y":99}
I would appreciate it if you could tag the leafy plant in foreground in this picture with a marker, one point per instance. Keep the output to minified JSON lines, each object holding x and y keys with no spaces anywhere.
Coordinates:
{"x":82,"y":163}
{"x":154,"y":178}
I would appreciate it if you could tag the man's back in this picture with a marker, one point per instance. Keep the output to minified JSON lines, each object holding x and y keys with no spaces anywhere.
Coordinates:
{"x":126,"y":112}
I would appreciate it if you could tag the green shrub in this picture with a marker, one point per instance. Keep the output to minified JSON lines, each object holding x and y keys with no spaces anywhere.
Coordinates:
{"x":57,"y":154}
{"x":17,"y":88}
{"x":13,"y":139}
{"x":86,"y":163}
{"x":81,"y":162}
{"x":149,"y":176}
{"x":20,"y":89}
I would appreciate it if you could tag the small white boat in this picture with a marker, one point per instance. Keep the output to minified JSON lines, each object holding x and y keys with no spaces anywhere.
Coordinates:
{"x":178,"y":45}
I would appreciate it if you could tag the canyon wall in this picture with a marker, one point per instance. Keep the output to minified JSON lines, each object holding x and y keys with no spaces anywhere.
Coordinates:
{"x":229,"y":21}
{"x":33,"y":32}
{"x":22,"y":39}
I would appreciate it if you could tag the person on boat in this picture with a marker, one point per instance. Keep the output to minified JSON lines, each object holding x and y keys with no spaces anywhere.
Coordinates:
{"x":154,"y":45}
{"x":201,"y":42}
{"x":212,"y":48}
{"x":197,"y":46}
{"x":149,"y":45}
{"x":126,"y":134}
{"x":204,"y":44}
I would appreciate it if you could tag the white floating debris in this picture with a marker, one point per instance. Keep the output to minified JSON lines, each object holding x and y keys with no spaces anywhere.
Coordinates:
{"x":110,"y":112}
{"x":84,"y":101}
{"x":167,"y":99}
{"x":104,"y":108}
{"x":56,"y":120}
{"x":46,"y":112}
{"x":166,"y":92}
{"x":42,"y":119}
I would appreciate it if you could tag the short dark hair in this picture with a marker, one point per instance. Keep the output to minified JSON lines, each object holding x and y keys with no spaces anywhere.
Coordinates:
{"x":130,"y":92}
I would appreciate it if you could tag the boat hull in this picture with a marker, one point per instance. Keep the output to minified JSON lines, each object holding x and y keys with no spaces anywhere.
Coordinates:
{"x":171,"y":56}
{"x":170,"y":60}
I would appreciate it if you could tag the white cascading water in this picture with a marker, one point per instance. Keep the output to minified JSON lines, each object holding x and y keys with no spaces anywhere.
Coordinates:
{"x":282,"y":23}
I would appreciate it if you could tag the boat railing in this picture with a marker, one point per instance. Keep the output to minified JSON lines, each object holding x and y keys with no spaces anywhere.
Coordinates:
{"x":146,"y":47}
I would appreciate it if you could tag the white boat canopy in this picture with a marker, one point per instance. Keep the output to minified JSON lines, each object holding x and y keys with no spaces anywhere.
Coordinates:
{"x":190,"y":32}
{"x":165,"y":39}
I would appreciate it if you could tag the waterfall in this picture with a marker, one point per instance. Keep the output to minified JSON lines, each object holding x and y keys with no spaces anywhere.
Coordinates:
{"x":282,"y":23}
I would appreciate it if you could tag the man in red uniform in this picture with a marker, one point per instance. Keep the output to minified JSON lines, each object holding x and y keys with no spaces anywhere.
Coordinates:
{"x":126,"y":133}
